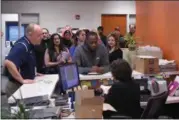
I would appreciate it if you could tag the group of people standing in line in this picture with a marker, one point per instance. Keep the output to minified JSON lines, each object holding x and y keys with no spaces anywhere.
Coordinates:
{"x":91,"y":50}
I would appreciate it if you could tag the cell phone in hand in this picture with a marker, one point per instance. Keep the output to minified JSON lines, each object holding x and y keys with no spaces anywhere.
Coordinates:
{"x":65,"y":56}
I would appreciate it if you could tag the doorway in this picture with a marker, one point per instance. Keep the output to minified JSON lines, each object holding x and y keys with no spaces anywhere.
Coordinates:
{"x":109,"y":22}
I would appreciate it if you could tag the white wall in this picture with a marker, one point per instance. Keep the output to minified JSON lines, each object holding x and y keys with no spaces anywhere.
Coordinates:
{"x":55,"y":14}
{"x":5,"y":18}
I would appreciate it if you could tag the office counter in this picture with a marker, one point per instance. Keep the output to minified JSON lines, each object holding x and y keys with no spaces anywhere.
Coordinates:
{"x":45,"y":85}
{"x":105,"y":76}
{"x":170,"y":100}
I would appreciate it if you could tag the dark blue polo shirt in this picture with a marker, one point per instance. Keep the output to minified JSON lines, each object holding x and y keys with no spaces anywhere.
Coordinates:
{"x":23,"y":56}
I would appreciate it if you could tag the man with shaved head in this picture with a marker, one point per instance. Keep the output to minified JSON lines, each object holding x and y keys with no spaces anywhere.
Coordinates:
{"x":21,"y":62}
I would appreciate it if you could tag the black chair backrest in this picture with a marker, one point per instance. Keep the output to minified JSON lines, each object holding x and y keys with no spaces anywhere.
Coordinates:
{"x":114,"y":115}
{"x":143,"y":83}
{"x":154,"y":106}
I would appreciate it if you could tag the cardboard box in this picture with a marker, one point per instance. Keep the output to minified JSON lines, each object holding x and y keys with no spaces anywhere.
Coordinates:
{"x":147,"y":64}
{"x":87,"y":106}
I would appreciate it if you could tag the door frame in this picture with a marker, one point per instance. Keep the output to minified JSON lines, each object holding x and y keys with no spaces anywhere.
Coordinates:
{"x":38,"y":14}
{"x":20,"y":22}
{"x":127,"y":18}
{"x":113,"y":14}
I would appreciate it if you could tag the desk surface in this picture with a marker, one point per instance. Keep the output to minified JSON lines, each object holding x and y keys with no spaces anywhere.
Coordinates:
{"x":108,"y":75}
{"x":170,"y":100}
{"x":106,"y":106}
{"x":44,"y":85}
{"x":105,"y":76}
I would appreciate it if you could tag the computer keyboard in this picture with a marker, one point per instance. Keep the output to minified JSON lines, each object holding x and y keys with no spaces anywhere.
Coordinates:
{"x":34,"y":101}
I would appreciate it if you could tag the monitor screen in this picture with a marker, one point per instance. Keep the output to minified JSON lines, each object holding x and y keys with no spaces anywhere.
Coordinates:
{"x":69,"y":76}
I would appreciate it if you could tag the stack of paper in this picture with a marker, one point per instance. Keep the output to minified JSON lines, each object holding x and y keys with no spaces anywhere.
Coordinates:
{"x":165,"y":62}
{"x":107,"y":107}
{"x":151,"y":51}
{"x":105,"y":88}
{"x":166,"y":65}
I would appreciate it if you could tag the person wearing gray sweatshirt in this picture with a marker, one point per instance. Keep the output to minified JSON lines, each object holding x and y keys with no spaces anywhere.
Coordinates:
{"x":92,"y":56}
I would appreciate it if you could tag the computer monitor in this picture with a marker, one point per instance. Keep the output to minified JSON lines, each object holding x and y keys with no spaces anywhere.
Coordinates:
{"x":69,"y":76}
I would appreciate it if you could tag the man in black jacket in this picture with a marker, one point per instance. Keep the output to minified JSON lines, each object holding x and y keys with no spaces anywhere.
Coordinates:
{"x":40,"y":51}
{"x":124,"y":95}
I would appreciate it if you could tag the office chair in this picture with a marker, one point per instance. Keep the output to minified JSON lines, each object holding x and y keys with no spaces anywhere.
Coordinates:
{"x":154,"y":106}
{"x":114,"y":115}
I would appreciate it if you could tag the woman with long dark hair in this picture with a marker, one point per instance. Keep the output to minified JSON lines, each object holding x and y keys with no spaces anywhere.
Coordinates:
{"x":79,"y":40}
{"x":56,"y":54}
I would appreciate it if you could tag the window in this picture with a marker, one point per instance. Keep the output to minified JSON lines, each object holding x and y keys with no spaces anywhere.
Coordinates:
{"x":12,"y":31}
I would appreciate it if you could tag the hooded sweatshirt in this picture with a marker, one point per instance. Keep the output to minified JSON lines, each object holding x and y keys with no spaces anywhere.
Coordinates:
{"x":86,"y":59}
